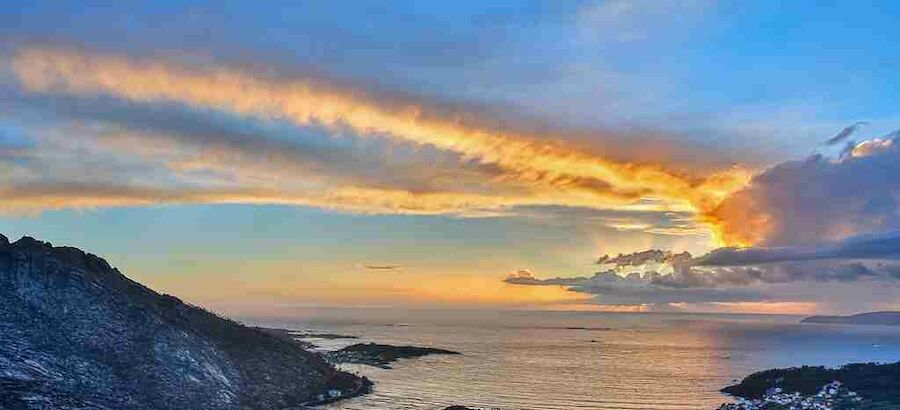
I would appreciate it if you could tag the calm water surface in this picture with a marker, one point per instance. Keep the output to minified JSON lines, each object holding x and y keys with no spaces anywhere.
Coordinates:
{"x":583,"y":360}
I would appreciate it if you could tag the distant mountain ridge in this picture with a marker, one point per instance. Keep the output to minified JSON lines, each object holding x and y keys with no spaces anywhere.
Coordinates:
{"x":77,"y":334}
{"x":871,"y":318}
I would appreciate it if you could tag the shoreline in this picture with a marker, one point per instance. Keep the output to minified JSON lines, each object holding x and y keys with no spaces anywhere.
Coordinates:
{"x":842,"y":391}
{"x":361,"y":390}
{"x":370,"y":354}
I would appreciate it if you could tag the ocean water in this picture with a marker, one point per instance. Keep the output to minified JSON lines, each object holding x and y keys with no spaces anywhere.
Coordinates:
{"x":582,"y":360}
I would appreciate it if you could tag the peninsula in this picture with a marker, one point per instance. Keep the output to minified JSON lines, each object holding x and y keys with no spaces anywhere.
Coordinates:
{"x":858,"y":386}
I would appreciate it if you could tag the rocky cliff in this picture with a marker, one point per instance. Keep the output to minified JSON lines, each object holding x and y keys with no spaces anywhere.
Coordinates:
{"x":77,"y":334}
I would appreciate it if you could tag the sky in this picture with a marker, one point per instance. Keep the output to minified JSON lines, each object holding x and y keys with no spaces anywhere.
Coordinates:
{"x":463,"y":155}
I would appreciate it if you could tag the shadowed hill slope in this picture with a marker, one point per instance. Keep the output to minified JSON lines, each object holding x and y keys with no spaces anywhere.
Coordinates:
{"x":77,"y":334}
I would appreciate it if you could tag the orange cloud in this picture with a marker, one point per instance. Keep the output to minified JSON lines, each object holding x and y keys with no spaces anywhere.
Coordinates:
{"x":553,"y":168}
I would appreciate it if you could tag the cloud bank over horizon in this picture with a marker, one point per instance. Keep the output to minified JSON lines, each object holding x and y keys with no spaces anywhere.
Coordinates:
{"x":739,"y":275}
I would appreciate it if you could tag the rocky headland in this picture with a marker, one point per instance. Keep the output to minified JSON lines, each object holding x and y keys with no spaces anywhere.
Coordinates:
{"x":75,"y":333}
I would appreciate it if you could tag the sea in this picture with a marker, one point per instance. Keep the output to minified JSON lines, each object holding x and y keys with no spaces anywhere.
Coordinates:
{"x":580,"y":360}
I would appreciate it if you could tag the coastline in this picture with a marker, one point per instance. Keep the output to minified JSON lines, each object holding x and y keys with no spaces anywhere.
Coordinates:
{"x":534,"y":327}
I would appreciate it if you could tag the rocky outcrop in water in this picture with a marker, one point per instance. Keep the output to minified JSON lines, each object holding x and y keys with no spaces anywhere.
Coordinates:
{"x":380,"y":355}
{"x":77,"y":334}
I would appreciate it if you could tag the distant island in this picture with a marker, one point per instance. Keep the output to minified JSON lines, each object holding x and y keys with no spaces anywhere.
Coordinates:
{"x":872,"y":318}
{"x":77,"y":334}
{"x":859,"y":386}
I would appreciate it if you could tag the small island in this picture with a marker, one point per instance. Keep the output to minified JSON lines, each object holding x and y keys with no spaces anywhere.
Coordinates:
{"x":871,"y":318}
{"x":856,"y":386}
{"x":380,"y":355}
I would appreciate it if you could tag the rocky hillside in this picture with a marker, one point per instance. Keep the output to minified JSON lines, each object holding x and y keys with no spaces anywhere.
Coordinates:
{"x":876,"y":385}
{"x":77,"y":334}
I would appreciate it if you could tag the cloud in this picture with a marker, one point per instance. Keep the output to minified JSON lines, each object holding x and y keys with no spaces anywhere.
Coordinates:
{"x":793,"y":281}
{"x":390,"y":268}
{"x":520,"y":274}
{"x":36,"y":197}
{"x":736,"y":275}
{"x":845,"y":133}
{"x":201,"y":136}
{"x":103,"y":165}
{"x":671,"y":226}
{"x":880,"y":246}
{"x":872,"y":146}
{"x":540,"y":164}
{"x":815,"y":200}
{"x":645,"y":257}
{"x":525,"y":277}
{"x":190,"y":113}
{"x":637,"y":288}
